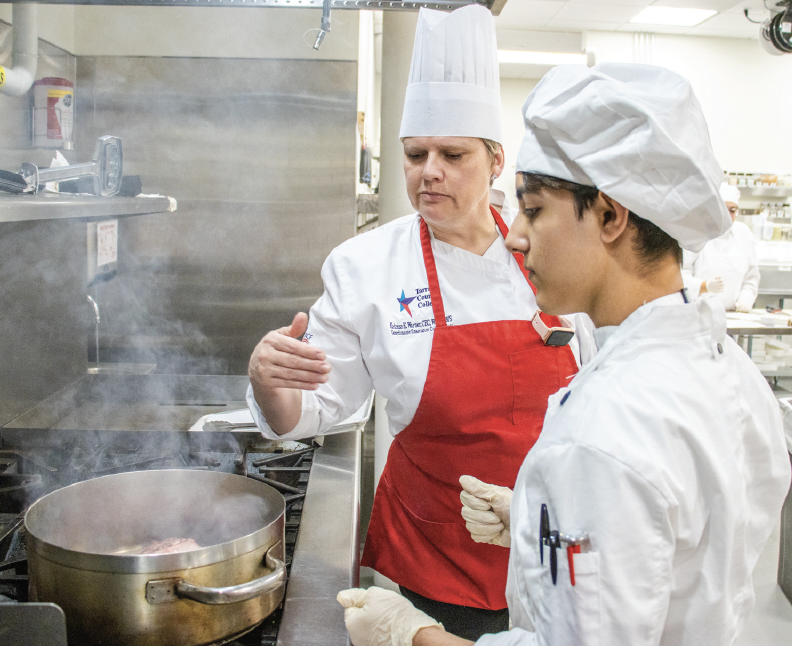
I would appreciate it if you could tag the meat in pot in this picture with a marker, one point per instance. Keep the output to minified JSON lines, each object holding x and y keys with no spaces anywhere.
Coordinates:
{"x":169,"y":546}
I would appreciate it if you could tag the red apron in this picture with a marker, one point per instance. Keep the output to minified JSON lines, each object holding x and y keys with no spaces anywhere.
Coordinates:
{"x":481,"y":410}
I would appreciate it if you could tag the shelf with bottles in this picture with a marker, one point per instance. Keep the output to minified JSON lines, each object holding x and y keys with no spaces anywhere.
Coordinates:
{"x":760,"y":184}
{"x":769,"y":223}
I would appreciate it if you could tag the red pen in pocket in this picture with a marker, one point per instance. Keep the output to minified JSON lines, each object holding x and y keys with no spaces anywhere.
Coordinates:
{"x":571,"y":550}
{"x":573,"y":547}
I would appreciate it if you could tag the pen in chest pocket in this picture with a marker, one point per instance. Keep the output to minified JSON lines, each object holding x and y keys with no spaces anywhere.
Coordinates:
{"x":553,"y":539}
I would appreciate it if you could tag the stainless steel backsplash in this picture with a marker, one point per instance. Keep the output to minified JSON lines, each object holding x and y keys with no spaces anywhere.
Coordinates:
{"x":260,"y":155}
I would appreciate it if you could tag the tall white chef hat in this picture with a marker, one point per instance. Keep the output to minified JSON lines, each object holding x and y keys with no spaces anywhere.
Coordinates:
{"x":454,"y":84}
{"x":729,"y":193}
{"x":638,"y":134}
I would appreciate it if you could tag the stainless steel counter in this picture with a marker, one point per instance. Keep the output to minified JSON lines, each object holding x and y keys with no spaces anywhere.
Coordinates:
{"x":157,"y":409}
{"x":327,"y":554}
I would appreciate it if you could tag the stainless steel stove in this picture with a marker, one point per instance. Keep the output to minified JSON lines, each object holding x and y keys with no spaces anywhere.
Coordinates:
{"x":107,"y":424}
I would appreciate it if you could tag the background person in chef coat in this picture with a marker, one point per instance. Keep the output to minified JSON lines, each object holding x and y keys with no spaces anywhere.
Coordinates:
{"x":726,"y":267}
{"x":435,"y":313}
{"x":664,"y":461}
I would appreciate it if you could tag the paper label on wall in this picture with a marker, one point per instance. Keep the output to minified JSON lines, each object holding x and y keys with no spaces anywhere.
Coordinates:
{"x":2,"y":76}
{"x":106,"y":242}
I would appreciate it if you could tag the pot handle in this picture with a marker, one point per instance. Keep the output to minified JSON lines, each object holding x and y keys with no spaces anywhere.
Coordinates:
{"x":236,"y":593}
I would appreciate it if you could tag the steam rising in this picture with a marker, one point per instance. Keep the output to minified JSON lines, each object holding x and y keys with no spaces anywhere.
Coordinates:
{"x":121,"y":513}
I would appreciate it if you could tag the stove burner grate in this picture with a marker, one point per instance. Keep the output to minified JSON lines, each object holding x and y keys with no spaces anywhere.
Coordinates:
{"x":36,"y":475}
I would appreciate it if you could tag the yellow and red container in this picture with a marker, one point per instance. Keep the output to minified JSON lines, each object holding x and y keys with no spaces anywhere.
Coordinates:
{"x":53,"y":113}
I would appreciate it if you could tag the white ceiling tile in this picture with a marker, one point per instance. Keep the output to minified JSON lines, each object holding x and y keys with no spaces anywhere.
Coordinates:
{"x":654,"y":29}
{"x":596,"y":11}
{"x":584,"y":25}
{"x":641,"y":4}
{"x":614,"y":15}
{"x":727,"y":22}
{"x":717,"y":5}
{"x":753,"y":5}
{"x":528,"y":14}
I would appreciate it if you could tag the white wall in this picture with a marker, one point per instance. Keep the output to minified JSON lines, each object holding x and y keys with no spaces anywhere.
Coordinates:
{"x":55,"y":22}
{"x":513,"y":93}
{"x":746,"y":93}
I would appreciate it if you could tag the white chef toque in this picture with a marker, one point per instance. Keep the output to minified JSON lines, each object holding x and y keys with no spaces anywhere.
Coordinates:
{"x":729,"y":193}
{"x":454,"y":85}
{"x":638,"y":134}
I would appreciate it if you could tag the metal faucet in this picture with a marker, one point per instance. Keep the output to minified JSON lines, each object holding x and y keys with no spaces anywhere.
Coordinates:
{"x":96,"y":319}
{"x":325,"y":24}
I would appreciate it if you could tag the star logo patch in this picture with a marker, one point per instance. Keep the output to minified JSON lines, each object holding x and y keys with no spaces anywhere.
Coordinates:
{"x":404,"y":303}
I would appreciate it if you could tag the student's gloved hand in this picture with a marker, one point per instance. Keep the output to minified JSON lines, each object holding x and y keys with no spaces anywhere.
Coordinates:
{"x":742,"y":306}
{"x":715,"y":285}
{"x":379,"y":617}
{"x":485,"y":508}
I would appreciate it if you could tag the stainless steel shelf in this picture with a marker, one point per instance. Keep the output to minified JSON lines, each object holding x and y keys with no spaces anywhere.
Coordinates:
{"x":758,"y":331}
{"x":781,"y":372}
{"x":765,"y":191}
{"x":49,"y":206}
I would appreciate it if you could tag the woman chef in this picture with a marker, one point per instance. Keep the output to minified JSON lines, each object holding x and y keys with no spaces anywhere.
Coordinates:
{"x":638,"y":516}
{"x":435,"y":313}
{"x":727,"y":265}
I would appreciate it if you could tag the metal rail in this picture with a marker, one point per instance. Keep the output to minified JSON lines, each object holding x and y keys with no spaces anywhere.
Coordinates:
{"x":386,"y":5}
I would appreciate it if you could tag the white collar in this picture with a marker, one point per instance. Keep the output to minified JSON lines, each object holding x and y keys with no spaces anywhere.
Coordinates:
{"x":602,"y":334}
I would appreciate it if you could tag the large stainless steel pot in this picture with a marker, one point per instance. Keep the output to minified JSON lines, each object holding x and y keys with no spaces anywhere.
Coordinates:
{"x":81,"y":543}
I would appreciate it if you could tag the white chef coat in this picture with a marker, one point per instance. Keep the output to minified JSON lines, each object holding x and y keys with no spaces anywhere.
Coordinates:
{"x":671,"y":455}
{"x":372,"y":341}
{"x":732,"y":256}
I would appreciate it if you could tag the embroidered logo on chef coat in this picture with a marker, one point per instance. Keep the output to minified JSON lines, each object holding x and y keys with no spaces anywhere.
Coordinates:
{"x":404,"y":303}
{"x":404,"y":328}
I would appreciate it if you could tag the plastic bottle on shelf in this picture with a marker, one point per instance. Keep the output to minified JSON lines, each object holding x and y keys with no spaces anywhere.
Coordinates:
{"x":757,"y":224}
{"x":767,"y":227}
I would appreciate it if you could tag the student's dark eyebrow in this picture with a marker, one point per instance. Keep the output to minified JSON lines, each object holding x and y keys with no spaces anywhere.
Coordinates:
{"x":520,"y":193}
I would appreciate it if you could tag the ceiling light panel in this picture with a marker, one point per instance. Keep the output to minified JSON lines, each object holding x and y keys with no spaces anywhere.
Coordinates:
{"x":673,"y":16}
{"x":596,"y":12}
{"x":714,"y":5}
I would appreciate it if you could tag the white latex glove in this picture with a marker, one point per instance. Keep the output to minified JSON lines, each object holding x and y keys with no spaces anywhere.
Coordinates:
{"x":742,"y":306}
{"x":379,"y":617}
{"x":715,"y":285}
{"x":485,"y":508}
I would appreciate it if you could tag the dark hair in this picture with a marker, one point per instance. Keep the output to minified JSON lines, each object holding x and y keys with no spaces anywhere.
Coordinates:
{"x":652,"y":244}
